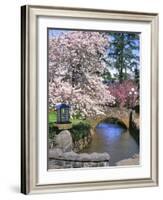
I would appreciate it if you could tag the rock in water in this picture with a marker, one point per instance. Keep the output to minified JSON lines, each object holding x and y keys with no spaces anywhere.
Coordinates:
{"x":134,"y":160}
{"x":64,"y":141}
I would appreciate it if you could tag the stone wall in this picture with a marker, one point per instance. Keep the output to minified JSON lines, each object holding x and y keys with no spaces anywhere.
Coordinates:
{"x":121,"y":114}
{"x":64,"y":156}
{"x":59,"y":159}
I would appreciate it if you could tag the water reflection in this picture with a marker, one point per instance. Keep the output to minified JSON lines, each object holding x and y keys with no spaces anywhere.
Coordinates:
{"x":111,"y":131}
{"x":115,"y":140}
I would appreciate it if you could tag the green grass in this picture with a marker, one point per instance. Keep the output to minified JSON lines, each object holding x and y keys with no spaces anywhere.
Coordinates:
{"x":53,"y":118}
{"x":76,"y":121}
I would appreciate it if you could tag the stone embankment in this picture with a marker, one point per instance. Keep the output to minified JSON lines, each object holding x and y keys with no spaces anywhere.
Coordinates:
{"x":63,"y":156}
{"x":59,"y":159}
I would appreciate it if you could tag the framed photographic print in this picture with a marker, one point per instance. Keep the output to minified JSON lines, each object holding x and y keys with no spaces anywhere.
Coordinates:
{"x":89,"y":99}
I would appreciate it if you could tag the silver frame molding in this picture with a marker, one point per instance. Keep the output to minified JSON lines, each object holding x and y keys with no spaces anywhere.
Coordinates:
{"x":29,"y":16}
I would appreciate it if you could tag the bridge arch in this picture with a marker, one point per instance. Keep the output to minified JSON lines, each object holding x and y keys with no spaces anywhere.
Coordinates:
{"x":116,"y":115}
{"x":113,"y":120}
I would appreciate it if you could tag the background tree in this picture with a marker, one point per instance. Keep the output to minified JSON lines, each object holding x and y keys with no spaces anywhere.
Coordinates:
{"x":123,"y":54}
{"x":121,"y":92}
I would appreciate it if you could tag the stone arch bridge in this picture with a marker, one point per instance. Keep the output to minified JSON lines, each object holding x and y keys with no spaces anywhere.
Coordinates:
{"x":121,"y":115}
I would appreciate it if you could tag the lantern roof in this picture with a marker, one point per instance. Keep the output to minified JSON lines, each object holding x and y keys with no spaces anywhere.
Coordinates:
{"x":61,"y":105}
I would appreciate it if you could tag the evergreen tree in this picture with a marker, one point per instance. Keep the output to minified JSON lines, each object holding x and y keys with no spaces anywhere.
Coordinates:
{"x":123,"y":54}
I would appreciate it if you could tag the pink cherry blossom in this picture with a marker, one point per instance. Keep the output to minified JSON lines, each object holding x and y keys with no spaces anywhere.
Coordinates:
{"x":125,"y":93}
{"x":75,"y":69}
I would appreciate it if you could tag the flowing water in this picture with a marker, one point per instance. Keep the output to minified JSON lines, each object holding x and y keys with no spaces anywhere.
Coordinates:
{"x":115,"y":140}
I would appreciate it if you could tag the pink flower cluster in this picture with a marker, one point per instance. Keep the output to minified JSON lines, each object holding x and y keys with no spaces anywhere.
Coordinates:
{"x":126,"y":93}
{"x":77,"y":51}
{"x":88,"y":101}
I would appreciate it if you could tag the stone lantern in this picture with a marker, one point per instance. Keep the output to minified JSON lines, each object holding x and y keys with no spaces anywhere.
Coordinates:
{"x":63,"y":114}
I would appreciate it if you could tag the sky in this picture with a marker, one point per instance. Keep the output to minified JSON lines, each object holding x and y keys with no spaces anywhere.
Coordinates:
{"x":56,"y":32}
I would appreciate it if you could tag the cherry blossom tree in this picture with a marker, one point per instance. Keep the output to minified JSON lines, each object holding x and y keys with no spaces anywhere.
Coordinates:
{"x":75,"y":68}
{"x":126,"y":93}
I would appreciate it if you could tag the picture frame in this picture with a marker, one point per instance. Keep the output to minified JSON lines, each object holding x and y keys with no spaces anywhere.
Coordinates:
{"x":35,"y":177}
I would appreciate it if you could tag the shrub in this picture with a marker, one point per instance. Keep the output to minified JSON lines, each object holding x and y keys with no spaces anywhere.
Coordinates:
{"x":53,"y":131}
{"x":80,"y":130}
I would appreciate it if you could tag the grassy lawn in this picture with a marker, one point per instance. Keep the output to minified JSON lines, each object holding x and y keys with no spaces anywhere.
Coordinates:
{"x":53,"y":118}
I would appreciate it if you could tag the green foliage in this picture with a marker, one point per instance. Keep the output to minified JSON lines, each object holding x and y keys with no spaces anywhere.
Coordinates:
{"x":80,"y":130}
{"x":53,"y":131}
{"x":137,"y":75}
{"x":108,"y":78}
{"x":52,"y":116}
{"x":123,"y":53}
